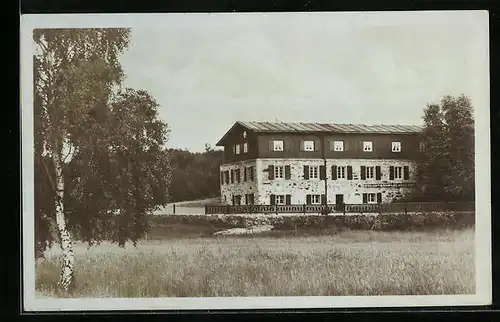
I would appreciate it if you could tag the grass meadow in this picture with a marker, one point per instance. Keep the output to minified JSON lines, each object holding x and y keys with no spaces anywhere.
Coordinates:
{"x":342,"y":263}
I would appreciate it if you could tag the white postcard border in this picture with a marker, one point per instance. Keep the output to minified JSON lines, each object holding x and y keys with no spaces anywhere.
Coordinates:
{"x":483,"y":187}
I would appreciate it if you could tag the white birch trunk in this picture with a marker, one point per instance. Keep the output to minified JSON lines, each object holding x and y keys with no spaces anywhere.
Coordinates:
{"x":66,"y":281}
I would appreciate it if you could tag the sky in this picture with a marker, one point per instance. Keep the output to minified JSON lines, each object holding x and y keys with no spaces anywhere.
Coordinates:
{"x":208,"y":71}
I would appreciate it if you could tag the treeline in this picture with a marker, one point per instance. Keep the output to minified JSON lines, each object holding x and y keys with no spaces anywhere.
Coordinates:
{"x":195,"y":175}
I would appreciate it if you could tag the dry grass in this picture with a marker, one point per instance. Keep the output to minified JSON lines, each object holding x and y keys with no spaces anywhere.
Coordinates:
{"x":348,"y":263}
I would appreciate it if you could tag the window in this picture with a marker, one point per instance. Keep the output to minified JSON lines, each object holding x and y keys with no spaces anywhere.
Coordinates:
{"x":278,"y":171}
{"x":280,"y":199}
{"x":313,"y":172}
{"x":237,"y":149}
{"x":421,"y":146}
{"x":396,"y":146}
{"x":398,"y":172}
{"x":338,"y":145}
{"x":371,"y":198}
{"x":340,"y":172}
{"x":367,"y":146}
{"x":278,"y":145}
{"x":308,"y":145}
{"x":245,"y":147}
{"x":244,"y":134}
{"x":238,"y":175}
{"x":315,"y":199}
{"x":369,"y":172}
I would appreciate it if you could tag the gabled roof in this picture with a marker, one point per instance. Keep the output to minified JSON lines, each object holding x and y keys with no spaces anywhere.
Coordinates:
{"x":280,"y":127}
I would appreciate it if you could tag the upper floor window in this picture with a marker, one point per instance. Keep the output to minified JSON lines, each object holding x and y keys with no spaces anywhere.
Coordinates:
{"x":398,"y":172}
{"x":421,"y":146}
{"x":237,"y":149}
{"x":278,"y":171}
{"x":278,"y":145}
{"x":338,"y":145}
{"x":308,"y":145}
{"x":245,"y":147}
{"x":341,"y":172}
{"x":313,"y":172}
{"x":367,"y":146}
{"x":370,"y":172}
{"x":244,"y":134}
{"x":396,"y":146}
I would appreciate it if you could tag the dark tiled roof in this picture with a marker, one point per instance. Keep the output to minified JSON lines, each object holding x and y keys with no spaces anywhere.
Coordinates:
{"x":329,"y":128}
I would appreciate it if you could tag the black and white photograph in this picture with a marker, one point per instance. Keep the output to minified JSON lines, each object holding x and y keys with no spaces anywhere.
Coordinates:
{"x":255,"y":160}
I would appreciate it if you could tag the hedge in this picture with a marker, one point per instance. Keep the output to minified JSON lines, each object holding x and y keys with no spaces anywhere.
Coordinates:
{"x":415,"y":221}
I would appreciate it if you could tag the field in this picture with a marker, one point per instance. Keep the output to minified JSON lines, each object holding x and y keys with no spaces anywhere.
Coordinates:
{"x":343,"y":263}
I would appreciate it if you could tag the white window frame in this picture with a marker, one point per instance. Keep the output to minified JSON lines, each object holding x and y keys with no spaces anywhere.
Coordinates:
{"x":367,"y":146}
{"x":279,"y":172}
{"x":245,"y":147}
{"x":398,"y":172}
{"x":237,"y":149}
{"x":278,"y":145}
{"x":421,"y":147}
{"x":371,"y":195}
{"x":308,"y":145}
{"x":313,"y":172}
{"x":341,"y":171}
{"x":370,"y":172}
{"x":244,"y":134}
{"x":277,"y":200}
{"x":396,"y":146}
{"x":317,"y":201}
{"x":338,"y":146}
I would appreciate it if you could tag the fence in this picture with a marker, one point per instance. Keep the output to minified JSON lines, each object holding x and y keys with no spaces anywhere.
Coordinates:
{"x":342,"y":208}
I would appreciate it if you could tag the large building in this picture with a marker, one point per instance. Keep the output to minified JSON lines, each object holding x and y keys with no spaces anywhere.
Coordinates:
{"x":312,"y":163}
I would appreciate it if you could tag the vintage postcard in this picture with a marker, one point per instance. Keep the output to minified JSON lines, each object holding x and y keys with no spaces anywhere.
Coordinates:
{"x":256,"y":160}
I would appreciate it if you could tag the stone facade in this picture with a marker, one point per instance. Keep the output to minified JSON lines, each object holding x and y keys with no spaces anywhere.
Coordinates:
{"x":351,"y":187}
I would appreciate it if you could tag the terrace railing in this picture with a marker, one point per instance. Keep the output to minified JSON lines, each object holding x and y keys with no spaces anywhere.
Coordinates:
{"x":408,"y":207}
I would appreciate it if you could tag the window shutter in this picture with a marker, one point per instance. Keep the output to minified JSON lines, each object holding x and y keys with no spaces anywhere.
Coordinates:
{"x":288,"y":174}
{"x":246,"y":199}
{"x":308,"y":199}
{"x":323,"y":199}
{"x":288,"y":199}
{"x":270,"y":169}
{"x":251,"y":173}
{"x":221,"y":178}
{"x":306,"y":172}
{"x":334,"y":172}
{"x":365,"y":198}
{"x":238,"y":175}
{"x":271,"y":145}
{"x":233,"y":199}
{"x":232,"y":175}
{"x":301,"y":145}
{"x":322,"y":172}
{"x":406,"y":172}
{"x":349,"y":172}
{"x":316,"y":145}
{"x":363,"y":172}
{"x":227,"y":176}
{"x":391,"y":173}
{"x":251,"y":199}
{"x":378,"y":173}
{"x":379,"y":197}
{"x":273,"y":200}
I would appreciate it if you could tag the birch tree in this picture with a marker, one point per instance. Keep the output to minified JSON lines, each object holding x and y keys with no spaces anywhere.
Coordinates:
{"x":81,"y":143}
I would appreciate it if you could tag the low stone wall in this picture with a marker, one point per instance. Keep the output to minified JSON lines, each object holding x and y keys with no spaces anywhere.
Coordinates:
{"x":413,"y":221}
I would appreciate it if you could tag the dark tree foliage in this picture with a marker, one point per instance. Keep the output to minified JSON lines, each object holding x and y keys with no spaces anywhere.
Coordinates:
{"x":446,"y":167}
{"x":195,"y":175}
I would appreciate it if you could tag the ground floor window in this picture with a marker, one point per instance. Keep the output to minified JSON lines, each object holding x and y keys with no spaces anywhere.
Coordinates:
{"x":372,"y":197}
{"x":236,"y":200}
{"x":315,"y":199}
{"x":249,"y":199}
{"x":280,"y":199}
